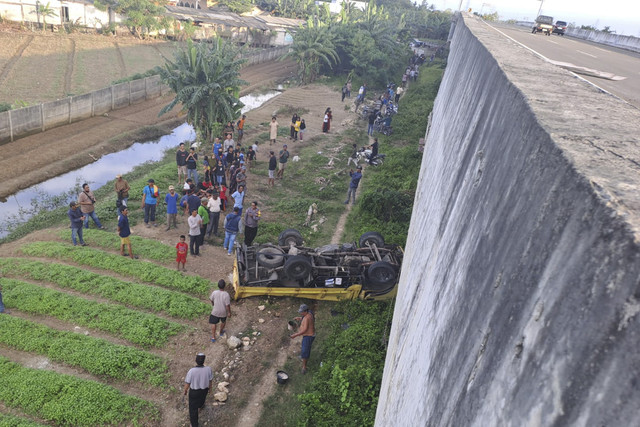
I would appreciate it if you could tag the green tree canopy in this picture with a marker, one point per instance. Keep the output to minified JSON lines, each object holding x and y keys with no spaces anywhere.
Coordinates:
{"x":141,"y":16}
{"x":312,"y":46}
{"x":206,"y":80}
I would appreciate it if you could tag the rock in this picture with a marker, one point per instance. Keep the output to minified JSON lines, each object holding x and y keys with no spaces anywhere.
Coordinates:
{"x":255,"y":333}
{"x":246,"y":339}
{"x":223,"y":384}
{"x":261,"y":307}
{"x":276,"y":314}
{"x":260,"y":320}
{"x":233,"y":342}
{"x":246,"y":347}
{"x":220,"y":396}
{"x":223,"y":387}
{"x":225,"y":375}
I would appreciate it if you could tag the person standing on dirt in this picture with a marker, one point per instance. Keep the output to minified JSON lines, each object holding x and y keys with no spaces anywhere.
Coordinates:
{"x":221,"y":309}
{"x":303,"y":127}
{"x":238,"y":198}
{"x":215,"y":206}
{"x":308,"y":333}
{"x":273,"y":164}
{"x":149,"y":202}
{"x":231,"y":229}
{"x":181,"y":161}
{"x":292,"y":131}
{"x":349,"y":89}
{"x":353,"y":185}
{"x":77,"y":219}
{"x":192,"y":165}
{"x":122,"y":191}
{"x":171,"y":200}
{"x":251,"y":218}
{"x":124,"y":231}
{"x":273,"y":130}
{"x":197,"y":383}
{"x":203,"y":212}
{"x":354,"y":156}
{"x":241,"y":128}
{"x":372,"y":121}
{"x":195,"y":222}
{"x":87,"y":200}
{"x":283,"y":157}
{"x":344,"y":92}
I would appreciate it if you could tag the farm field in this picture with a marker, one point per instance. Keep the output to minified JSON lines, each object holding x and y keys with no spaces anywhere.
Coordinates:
{"x":38,"y":67}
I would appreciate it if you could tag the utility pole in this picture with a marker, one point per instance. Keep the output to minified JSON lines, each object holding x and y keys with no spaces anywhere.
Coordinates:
{"x":540,"y":8}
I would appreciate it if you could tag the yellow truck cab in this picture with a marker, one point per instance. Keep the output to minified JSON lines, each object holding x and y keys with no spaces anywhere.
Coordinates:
{"x":368,"y":270}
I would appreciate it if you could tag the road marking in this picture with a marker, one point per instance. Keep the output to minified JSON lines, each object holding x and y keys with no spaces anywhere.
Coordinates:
{"x":585,"y":53}
{"x":551,"y":41}
{"x":604,"y":50}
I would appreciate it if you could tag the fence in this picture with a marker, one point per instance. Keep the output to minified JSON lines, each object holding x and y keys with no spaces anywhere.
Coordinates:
{"x":21,"y":122}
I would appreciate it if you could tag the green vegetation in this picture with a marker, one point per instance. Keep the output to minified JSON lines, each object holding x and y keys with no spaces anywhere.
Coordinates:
{"x":137,"y":76}
{"x":66,"y":400}
{"x":140,"y":16}
{"x":386,"y":201}
{"x":146,"y":248}
{"x":11,"y":421}
{"x":142,"y":270}
{"x":95,"y":355}
{"x":139,"y":328}
{"x":344,"y":391}
{"x":133,"y":294}
{"x":4,"y":106}
{"x":206,"y":80}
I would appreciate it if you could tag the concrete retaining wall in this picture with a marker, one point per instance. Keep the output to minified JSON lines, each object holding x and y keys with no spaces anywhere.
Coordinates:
{"x":25,"y":121}
{"x":616,"y":40}
{"x":519,"y":293}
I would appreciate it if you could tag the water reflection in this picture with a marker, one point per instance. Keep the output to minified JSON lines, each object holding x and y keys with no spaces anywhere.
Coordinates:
{"x":108,"y":166}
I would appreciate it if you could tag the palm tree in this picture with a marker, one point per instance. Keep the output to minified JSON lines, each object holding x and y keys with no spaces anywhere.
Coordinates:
{"x":312,"y":46}
{"x":46,"y":11}
{"x":206,"y":81}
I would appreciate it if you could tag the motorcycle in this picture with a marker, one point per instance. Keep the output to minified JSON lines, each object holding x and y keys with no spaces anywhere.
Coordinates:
{"x":365,"y":154}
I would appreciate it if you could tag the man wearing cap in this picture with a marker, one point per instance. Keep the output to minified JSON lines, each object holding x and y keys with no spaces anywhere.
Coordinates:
{"x":204,"y":214}
{"x":122,"y":191}
{"x":307,"y":331}
{"x":197,"y":383}
{"x":283,"y":157}
{"x":353,"y":185}
{"x":171,"y":199}
{"x":149,"y":202}
{"x":77,"y":220}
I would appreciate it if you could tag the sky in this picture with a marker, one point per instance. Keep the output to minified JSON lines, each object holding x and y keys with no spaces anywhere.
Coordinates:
{"x":623,"y":16}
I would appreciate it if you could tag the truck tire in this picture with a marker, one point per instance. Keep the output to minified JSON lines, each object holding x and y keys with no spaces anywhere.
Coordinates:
{"x":371,"y":237}
{"x":288,"y":236}
{"x":297,"y":267}
{"x":270,"y":257}
{"x":381,"y":275}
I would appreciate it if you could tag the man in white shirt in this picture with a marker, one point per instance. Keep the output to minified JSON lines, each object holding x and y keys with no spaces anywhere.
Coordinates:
{"x":221,"y":310}
{"x":197,"y":383}
{"x":214,"y":206}
{"x":195,"y":222}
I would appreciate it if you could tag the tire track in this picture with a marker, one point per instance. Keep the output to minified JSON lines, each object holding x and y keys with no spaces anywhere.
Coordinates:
{"x":16,"y":56}
{"x":71,"y":58}
{"x":123,"y":66}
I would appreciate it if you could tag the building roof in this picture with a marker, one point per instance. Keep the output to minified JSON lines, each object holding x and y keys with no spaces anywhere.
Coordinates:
{"x":220,"y":16}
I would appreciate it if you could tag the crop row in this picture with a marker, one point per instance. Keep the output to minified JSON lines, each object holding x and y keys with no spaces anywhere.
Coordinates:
{"x":95,"y":355}
{"x":140,"y":328}
{"x":13,"y":421}
{"x":144,"y":271}
{"x":69,"y":401}
{"x":146,"y":248}
{"x":142,"y":296}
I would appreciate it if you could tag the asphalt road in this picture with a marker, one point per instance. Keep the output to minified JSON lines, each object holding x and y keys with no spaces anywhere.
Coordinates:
{"x":586,"y":54}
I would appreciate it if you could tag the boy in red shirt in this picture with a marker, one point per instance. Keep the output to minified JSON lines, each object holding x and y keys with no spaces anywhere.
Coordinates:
{"x":182,"y":248}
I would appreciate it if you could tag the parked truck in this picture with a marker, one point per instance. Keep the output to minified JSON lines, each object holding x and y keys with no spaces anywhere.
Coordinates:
{"x":544,"y":24}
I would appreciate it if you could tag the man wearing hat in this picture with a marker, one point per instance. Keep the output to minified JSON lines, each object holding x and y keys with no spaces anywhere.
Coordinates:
{"x":283,"y":157}
{"x":197,"y":383}
{"x":353,"y":185}
{"x":171,"y":199}
{"x":77,"y":220}
{"x":122,"y":191}
{"x":149,"y":201}
{"x":307,"y":331}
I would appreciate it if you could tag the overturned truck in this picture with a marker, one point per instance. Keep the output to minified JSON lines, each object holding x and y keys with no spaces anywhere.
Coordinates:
{"x":367,"y":270}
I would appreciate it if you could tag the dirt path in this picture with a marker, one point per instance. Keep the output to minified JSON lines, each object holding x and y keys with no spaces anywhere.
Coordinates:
{"x":39,"y":157}
{"x":16,"y":56}
{"x":71,"y":60}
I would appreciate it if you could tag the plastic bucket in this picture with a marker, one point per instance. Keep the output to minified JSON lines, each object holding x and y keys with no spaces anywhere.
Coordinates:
{"x":282,"y":377}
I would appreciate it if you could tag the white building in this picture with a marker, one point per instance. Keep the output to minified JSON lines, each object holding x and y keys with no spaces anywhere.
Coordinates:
{"x":79,"y":12}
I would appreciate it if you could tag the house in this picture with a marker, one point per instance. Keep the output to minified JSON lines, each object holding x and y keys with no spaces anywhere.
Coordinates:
{"x":79,"y":12}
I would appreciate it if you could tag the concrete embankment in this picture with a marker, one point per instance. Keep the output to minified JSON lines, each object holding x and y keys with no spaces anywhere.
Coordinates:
{"x":519,"y":298}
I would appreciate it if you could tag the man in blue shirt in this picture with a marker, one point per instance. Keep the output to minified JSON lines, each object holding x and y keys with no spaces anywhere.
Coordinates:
{"x":217,"y":146}
{"x":77,"y":220}
{"x":149,"y":201}
{"x":124,"y":232}
{"x":238,"y":198}
{"x":353,"y":185}
{"x":231,"y":228}
{"x":171,"y":199}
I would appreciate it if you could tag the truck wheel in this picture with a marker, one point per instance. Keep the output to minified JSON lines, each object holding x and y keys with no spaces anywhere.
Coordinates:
{"x":297,"y":267}
{"x":371,"y":237}
{"x":270,"y":257}
{"x":289,"y":236}
{"x":381,"y":275}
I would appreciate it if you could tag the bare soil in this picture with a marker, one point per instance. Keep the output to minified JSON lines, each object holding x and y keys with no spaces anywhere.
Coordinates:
{"x":251,"y":369}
